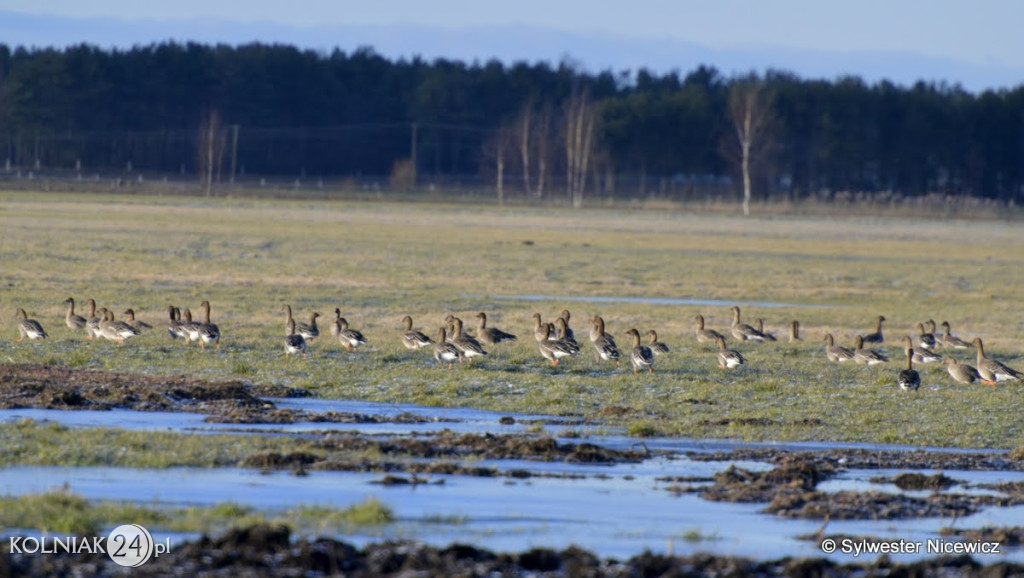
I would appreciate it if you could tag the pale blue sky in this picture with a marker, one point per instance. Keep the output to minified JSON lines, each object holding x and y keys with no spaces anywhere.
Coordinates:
{"x":977,"y":43}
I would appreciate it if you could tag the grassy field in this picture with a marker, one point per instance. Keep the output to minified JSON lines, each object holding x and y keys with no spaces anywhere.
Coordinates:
{"x":380,"y":261}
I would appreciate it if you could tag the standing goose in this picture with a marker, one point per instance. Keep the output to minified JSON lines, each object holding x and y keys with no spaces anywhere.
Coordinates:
{"x":794,"y":330}
{"x":309,"y":331}
{"x":876,"y":337}
{"x":70,"y":319}
{"x":350,"y":338}
{"x":190,"y":327}
{"x":129,"y":318}
{"x":908,"y":379}
{"x":604,"y":345}
{"x":468,"y":346}
{"x":554,"y":349}
{"x":114,"y":330}
{"x":641,"y":357}
{"x":209,"y":333}
{"x":563,"y":332}
{"x":445,"y":351}
{"x":294,"y":343}
{"x":962,"y":372}
{"x":868,"y":356}
{"x":411,"y":338}
{"x":991,"y":370}
{"x":742,"y":331}
{"x":570,"y":335}
{"x":174,"y":328}
{"x":29,"y":328}
{"x":92,"y":322}
{"x":728,"y":358}
{"x":924,"y":338}
{"x":836,"y":353}
{"x":656,"y":346}
{"x":922,"y":355}
{"x":539,"y":328}
{"x":336,"y":324}
{"x":705,"y":335}
{"x":949,"y":340}
{"x":491,"y":335}
{"x":759,"y":325}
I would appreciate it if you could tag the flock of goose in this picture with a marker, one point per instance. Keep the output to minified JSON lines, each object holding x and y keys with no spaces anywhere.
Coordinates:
{"x":556,"y":340}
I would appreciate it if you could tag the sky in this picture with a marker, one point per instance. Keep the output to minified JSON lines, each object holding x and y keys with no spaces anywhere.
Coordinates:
{"x":976,"y":44}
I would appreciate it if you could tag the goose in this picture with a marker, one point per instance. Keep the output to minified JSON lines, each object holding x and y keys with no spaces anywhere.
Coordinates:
{"x":728,"y":358}
{"x":922,"y":355}
{"x":70,"y":319}
{"x":569,"y":333}
{"x":991,"y":370}
{"x":742,"y":331}
{"x":445,"y":351}
{"x":876,"y":337}
{"x":539,"y":328}
{"x":705,"y":335}
{"x":759,"y":325}
{"x":554,"y":349}
{"x":115,"y":330}
{"x":836,"y":353}
{"x":794,"y":330}
{"x":190,"y":327}
{"x":868,"y":356}
{"x":908,"y":379}
{"x":491,"y":335}
{"x":309,"y":331}
{"x":294,"y":343}
{"x":92,"y":322}
{"x":129,"y":318}
{"x":174,"y":328}
{"x":208,"y":332}
{"x":949,"y":340}
{"x":411,"y":338}
{"x":350,"y":338}
{"x":656,"y":346}
{"x":924,"y":338}
{"x":336,"y":324}
{"x":641,"y":356}
{"x":962,"y":372}
{"x":563,"y":332}
{"x":29,"y":328}
{"x":467,"y":345}
{"x":604,"y":345}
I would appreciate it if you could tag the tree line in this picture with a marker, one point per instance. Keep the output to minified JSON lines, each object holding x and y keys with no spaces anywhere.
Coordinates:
{"x":536,"y":129}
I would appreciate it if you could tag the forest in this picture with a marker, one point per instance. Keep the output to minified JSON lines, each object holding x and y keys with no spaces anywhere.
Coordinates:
{"x":220,"y":113}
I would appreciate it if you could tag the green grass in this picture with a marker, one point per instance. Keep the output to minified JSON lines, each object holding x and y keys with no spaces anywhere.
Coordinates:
{"x":62,"y":512}
{"x":380,"y":261}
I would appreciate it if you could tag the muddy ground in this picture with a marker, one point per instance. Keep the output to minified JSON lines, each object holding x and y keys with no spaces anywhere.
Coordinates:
{"x":270,"y":551}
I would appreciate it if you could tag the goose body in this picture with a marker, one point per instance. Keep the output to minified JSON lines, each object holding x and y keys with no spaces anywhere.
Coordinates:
{"x":922,"y":355}
{"x":641,"y":356}
{"x":445,"y":351}
{"x":29,"y":328}
{"x":309,"y":331}
{"x":728,"y":358}
{"x":875,"y":337}
{"x":209,"y":333}
{"x":656,"y":346}
{"x":129,"y":318}
{"x":190,"y":327}
{"x":705,"y":335}
{"x":868,"y":356}
{"x":563,"y":332}
{"x":836,"y":353}
{"x":491,"y":335}
{"x":949,"y":340}
{"x":92,"y":322}
{"x":908,"y":379}
{"x":925,"y":339}
{"x":467,"y":345}
{"x":569,"y":334}
{"x":349,"y":337}
{"x":794,"y":330}
{"x":114,"y":330}
{"x":411,"y":338}
{"x":742,"y":331}
{"x":539,"y":328}
{"x":604,"y":344}
{"x":759,"y":326}
{"x":72,"y":320}
{"x":553,"y":349}
{"x":991,"y":370}
{"x":174,"y":328}
{"x":294,"y":343}
{"x":962,"y":372}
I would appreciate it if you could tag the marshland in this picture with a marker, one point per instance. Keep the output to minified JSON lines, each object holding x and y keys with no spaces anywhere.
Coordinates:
{"x":390,"y":431}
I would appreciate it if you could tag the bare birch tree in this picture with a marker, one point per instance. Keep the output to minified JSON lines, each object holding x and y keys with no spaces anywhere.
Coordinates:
{"x":496,"y":150}
{"x":580,"y":118}
{"x":533,"y":132}
{"x":750,"y":114}
{"x":210,"y":150}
